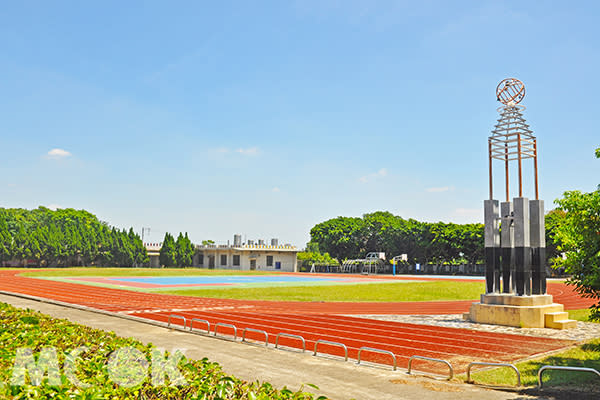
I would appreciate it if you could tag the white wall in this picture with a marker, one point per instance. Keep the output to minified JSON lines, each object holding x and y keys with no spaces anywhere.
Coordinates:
{"x":287,"y":259}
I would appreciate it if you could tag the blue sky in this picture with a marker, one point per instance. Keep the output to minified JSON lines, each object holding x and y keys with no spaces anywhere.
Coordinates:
{"x":265,"y":118}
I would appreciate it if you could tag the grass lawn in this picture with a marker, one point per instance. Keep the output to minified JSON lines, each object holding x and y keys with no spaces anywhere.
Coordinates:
{"x":405,"y":291}
{"x":581,"y":315}
{"x":586,"y":355}
{"x":400,"y":291}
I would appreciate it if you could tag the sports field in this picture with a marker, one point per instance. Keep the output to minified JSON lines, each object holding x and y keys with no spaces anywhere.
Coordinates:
{"x":314,"y":321}
{"x":273,"y":286}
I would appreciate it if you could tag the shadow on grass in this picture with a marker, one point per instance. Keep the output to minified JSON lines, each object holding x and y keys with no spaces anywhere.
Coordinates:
{"x":568,"y":385}
{"x":557,"y":384}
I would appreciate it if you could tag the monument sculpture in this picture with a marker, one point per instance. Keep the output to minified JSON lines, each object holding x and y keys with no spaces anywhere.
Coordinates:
{"x":515,"y":246}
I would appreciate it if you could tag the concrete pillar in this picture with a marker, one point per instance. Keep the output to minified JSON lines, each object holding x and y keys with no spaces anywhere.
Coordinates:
{"x":507,"y":238}
{"x":538,"y":246}
{"x":522,"y":246}
{"x":492,"y":246}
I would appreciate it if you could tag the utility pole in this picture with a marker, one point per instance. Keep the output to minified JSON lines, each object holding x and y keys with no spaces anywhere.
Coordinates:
{"x":143,"y":230}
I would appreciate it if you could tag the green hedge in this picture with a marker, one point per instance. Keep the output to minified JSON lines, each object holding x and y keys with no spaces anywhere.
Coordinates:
{"x":29,"y":329}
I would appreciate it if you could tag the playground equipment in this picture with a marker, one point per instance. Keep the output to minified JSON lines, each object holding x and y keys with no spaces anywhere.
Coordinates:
{"x":402,"y":258}
{"x":373,"y":263}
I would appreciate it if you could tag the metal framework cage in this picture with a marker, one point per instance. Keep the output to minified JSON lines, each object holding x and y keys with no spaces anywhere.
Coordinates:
{"x":512,"y":140}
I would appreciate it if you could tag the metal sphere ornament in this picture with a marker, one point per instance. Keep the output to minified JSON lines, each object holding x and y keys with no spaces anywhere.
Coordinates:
{"x":510,"y":91}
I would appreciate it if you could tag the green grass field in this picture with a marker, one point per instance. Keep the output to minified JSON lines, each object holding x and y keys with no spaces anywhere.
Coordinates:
{"x":402,"y":291}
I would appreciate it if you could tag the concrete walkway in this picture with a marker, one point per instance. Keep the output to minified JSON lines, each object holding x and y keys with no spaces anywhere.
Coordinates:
{"x":336,"y":379}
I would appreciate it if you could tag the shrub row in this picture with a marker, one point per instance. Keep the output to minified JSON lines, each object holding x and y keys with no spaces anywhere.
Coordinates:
{"x":21,"y":329}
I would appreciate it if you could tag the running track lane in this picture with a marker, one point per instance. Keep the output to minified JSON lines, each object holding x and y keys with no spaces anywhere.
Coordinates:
{"x":317,"y":320}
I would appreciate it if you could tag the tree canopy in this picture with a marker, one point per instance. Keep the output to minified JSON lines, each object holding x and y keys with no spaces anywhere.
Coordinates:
{"x":423,"y":242}
{"x":579,"y":239}
{"x":176,"y":253}
{"x":66,"y":237}
{"x":168,"y":256}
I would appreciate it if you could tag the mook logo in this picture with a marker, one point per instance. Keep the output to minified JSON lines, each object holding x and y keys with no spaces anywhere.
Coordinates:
{"x":126,"y":366}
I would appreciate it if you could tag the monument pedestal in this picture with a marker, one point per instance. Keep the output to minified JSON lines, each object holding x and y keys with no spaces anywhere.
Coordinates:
{"x":537,"y":311}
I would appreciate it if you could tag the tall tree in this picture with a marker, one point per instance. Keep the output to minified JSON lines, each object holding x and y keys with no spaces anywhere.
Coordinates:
{"x":168,"y":255}
{"x":342,"y":237}
{"x":553,"y":220}
{"x":65,"y":237}
{"x":5,"y":240}
{"x":579,"y":239}
{"x":184,"y":250}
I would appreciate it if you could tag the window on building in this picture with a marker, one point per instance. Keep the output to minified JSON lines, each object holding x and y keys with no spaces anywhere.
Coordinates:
{"x":223,"y":259}
{"x":269,"y":261}
{"x":236,"y":260}
{"x":200,"y":259}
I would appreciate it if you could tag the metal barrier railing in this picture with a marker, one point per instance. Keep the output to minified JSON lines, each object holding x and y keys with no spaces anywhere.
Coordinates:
{"x":288,"y":335}
{"x":491,"y":364}
{"x":200,"y":320}
{"x":561,"y":368}
{"x":227,"y":325}
{"x":342,"y":345}
{"x":179,"y":317}
{"x":257,"y":331}
{"x":377,"y":351}
{"x":431,"y":359}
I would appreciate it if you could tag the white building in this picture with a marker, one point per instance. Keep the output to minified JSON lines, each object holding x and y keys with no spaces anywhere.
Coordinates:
{"x":247,"y":256}
{"x":153,"y":250}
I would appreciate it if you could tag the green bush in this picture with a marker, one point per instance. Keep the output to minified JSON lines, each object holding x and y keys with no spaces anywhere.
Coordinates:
{"x":28,"y":329}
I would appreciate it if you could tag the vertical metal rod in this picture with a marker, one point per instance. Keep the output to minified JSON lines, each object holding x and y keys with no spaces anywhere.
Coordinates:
{"x":520,"y":172}
{"x":506,"y":167}
{"x":535,"y":168}
{"x":490,"y":155}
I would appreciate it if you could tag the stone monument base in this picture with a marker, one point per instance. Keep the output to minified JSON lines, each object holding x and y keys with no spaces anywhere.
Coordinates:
{"x":537,"y":311}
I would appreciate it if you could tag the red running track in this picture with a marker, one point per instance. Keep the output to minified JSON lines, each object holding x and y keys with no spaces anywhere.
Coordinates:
{"x":317,"y":321}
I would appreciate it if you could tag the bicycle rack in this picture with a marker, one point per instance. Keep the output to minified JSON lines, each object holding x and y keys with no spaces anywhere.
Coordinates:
{"x":228,"y":325}
{"x":377,"y":351}
{"x":557,"y":367}
{"x":200,"y":320}
{"x":179,"y":317}
{"x":431,"y":359}
{"x":333,"y":344}
{"x":257,"y":331}
{"x":291,"y":336}
{"x":491,"y":364}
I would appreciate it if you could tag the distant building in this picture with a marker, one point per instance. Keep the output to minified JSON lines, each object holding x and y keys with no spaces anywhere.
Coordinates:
{"x":153,"y":250}
{"x":248,"y":256}
{"x":243,"y":256}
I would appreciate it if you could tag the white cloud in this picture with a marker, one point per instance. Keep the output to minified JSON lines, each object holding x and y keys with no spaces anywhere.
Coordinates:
{"x":54,"y":207}
{"x":276,"y":190}
{"x":250,"y":151}
{"x":439,"y":189}
{"x":58,"y":154}
{"x":379,"y":174}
